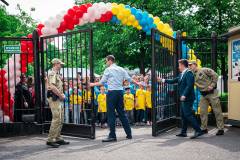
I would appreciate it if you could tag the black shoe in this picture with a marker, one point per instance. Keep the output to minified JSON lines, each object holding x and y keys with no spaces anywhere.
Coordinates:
{"x":197,"y":134}
{"x":62,"y":142}
{"x":53,"y":144}
{"x":181,"y":135}
{"x":129,"y":137}
{"x":109,"y":140}
{"x":220,"y":132}
{"x":205,"y":131}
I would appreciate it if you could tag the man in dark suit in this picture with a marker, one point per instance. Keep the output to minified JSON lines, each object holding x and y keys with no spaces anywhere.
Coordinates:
{"x":186,"y":92}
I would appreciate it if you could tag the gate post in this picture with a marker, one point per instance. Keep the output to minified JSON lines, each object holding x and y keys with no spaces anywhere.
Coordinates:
{"x":153,"y":77}
{"x":214,"y":51}
{"x":37,"y":81}
{"x":178,"y":56}
{"x":92,"y":80}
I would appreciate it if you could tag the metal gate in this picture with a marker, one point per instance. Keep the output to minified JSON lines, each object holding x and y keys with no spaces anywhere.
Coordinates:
{"x":164,"y":96}
{"x":75,"y":50}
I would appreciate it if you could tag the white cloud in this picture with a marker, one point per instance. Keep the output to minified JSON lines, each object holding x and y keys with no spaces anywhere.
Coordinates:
{"x":43,"y":8}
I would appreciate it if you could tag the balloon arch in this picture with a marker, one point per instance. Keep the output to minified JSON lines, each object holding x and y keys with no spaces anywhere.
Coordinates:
{"x":67,"y":20}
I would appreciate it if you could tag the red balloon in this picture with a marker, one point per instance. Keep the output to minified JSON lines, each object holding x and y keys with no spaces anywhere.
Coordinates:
{"x":88,"y":5}
{"x":67,"y":18}
{"x":40,"y":26}
{"x":29,"y":35}
{"x":76,"y":20}
{"x":2,"y":72}
{"x":79,"y":13}
{"x":63,"y":25}
{"x":83,"y":8}
{"x":71,"y":12}
{"x":70,"y":26}
{"x":75,"y":8}
{"x":39,"y":31}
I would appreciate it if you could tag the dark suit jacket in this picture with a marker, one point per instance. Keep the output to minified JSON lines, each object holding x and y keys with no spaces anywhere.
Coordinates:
{"x":185,"y":85}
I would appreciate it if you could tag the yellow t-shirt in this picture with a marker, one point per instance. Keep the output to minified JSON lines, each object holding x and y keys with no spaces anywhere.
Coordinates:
{"x":128,"y":102}
{"x":141,"y":99}
{"x":102,"y":103}
{"x":75,"y":99}
{"x":148,"y":99}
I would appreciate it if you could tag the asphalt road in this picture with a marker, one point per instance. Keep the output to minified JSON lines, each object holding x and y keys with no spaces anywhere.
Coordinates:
{"x":142,"y":147}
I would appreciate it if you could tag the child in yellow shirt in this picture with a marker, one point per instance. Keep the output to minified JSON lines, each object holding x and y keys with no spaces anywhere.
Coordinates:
{"x":140,"y":103}
{"x":149,"y":105}
{"x":75,"y":105}
{"x":102,"y":107}
{"x":129,"y":104}
{"x":87,"y":93}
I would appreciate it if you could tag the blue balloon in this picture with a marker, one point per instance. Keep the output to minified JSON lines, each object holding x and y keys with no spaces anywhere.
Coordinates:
{"x":138,"y":15}
{"x":133,"y":10}
{"x":174,"y":34}
{"x":127,"y":6}
{"x":150,"y":20}
{"x":143,"y":22}
{"x":157,"y":37}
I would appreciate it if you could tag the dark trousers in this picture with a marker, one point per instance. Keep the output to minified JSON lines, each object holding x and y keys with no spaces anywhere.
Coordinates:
{"x":140,"y":115}
{"x":115,"y":102}
{"x":188,"y":117}
{"x":149,"y":114}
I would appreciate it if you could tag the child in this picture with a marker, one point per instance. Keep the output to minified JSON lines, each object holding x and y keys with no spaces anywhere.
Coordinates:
{"x":149,"y":105}
{"x":102,"y":106}
{"x":87,"y":104}
{"x":140,"y":103}
{"x":75,"y":102}
{"x":67,"y":94}
{"x":129,"y":104}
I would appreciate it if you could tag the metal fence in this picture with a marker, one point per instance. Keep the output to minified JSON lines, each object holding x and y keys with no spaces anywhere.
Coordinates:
{"x":164,"y":96}
{"x":17,"y":97}
{"x":75,"y":50}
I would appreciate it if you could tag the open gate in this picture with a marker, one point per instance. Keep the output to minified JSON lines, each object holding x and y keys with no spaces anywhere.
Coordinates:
{"x":164,"y":96}
{"x":75,"y":50}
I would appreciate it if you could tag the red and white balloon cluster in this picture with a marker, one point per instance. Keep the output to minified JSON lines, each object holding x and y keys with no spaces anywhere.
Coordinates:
{"x":9,"y":77}
{"x":77,"y":15}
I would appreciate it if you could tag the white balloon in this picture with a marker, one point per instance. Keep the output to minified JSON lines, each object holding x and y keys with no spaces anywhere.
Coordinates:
{"x":12,"y":91}
{"x":45,"y":31}
{"x":85,"y":17}
{"x":47,"y":24}
{"x":18,"y":66}
{"x":6,"y":119}
{"x":18,"y":73}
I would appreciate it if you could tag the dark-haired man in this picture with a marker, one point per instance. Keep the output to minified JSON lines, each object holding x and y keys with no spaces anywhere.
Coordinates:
{"x":114,"y":77}
{"x":186,"y":92}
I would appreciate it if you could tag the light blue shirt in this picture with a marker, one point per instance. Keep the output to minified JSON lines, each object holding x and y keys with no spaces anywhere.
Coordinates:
{"x":114,"y":77}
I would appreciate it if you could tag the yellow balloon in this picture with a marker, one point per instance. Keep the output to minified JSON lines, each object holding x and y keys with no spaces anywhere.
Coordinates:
{"x":124,"y":21}
{"x":128,"y":12}
{"x":139,"y":28}
{"x":121,"y":5}
{"x":120,"y":16}
{"x":156,"y":19}
{"x":131,"y":18}
{"x":115,"y":10}
{"x":136,"y":24}
{"x":114,"y":4}
{"x":160,"y":26}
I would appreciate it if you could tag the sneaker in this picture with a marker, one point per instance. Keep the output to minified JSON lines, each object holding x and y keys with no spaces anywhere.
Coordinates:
{"x":220,"y":132}
{"x":53,"y":144}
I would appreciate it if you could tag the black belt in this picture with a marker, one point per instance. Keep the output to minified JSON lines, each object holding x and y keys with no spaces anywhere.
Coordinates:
{"x":204,"y":93}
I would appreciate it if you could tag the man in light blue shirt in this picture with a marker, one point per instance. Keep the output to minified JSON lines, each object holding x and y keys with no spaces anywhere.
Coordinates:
{"x":114,"y":77}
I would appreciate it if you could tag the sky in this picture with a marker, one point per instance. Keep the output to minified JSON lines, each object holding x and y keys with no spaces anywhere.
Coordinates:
{"x":43,"y":8}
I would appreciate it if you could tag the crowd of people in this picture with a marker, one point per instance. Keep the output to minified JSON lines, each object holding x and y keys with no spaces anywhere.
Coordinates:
{"x":77,"y":103}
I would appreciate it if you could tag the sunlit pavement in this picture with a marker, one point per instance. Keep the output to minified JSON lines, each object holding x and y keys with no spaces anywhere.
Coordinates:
{"x":142,"y":147}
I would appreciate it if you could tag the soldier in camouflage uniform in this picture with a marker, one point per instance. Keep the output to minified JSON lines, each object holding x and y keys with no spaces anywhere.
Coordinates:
{"x":206,"y":81}
{"x":55,"y":97}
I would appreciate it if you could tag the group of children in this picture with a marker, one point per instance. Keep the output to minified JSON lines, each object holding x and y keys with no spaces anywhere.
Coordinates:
{"x":78,"y":110}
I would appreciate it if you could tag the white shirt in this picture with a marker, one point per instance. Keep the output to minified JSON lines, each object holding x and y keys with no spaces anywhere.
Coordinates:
{"x":114,"y":77}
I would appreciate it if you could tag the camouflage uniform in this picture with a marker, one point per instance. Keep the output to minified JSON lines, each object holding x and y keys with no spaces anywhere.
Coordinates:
{"x":56,"y":108}
{"x":204,"y":78}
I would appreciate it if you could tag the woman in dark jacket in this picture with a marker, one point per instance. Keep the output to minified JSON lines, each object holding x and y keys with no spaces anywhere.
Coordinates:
{"x":23,"y":100}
